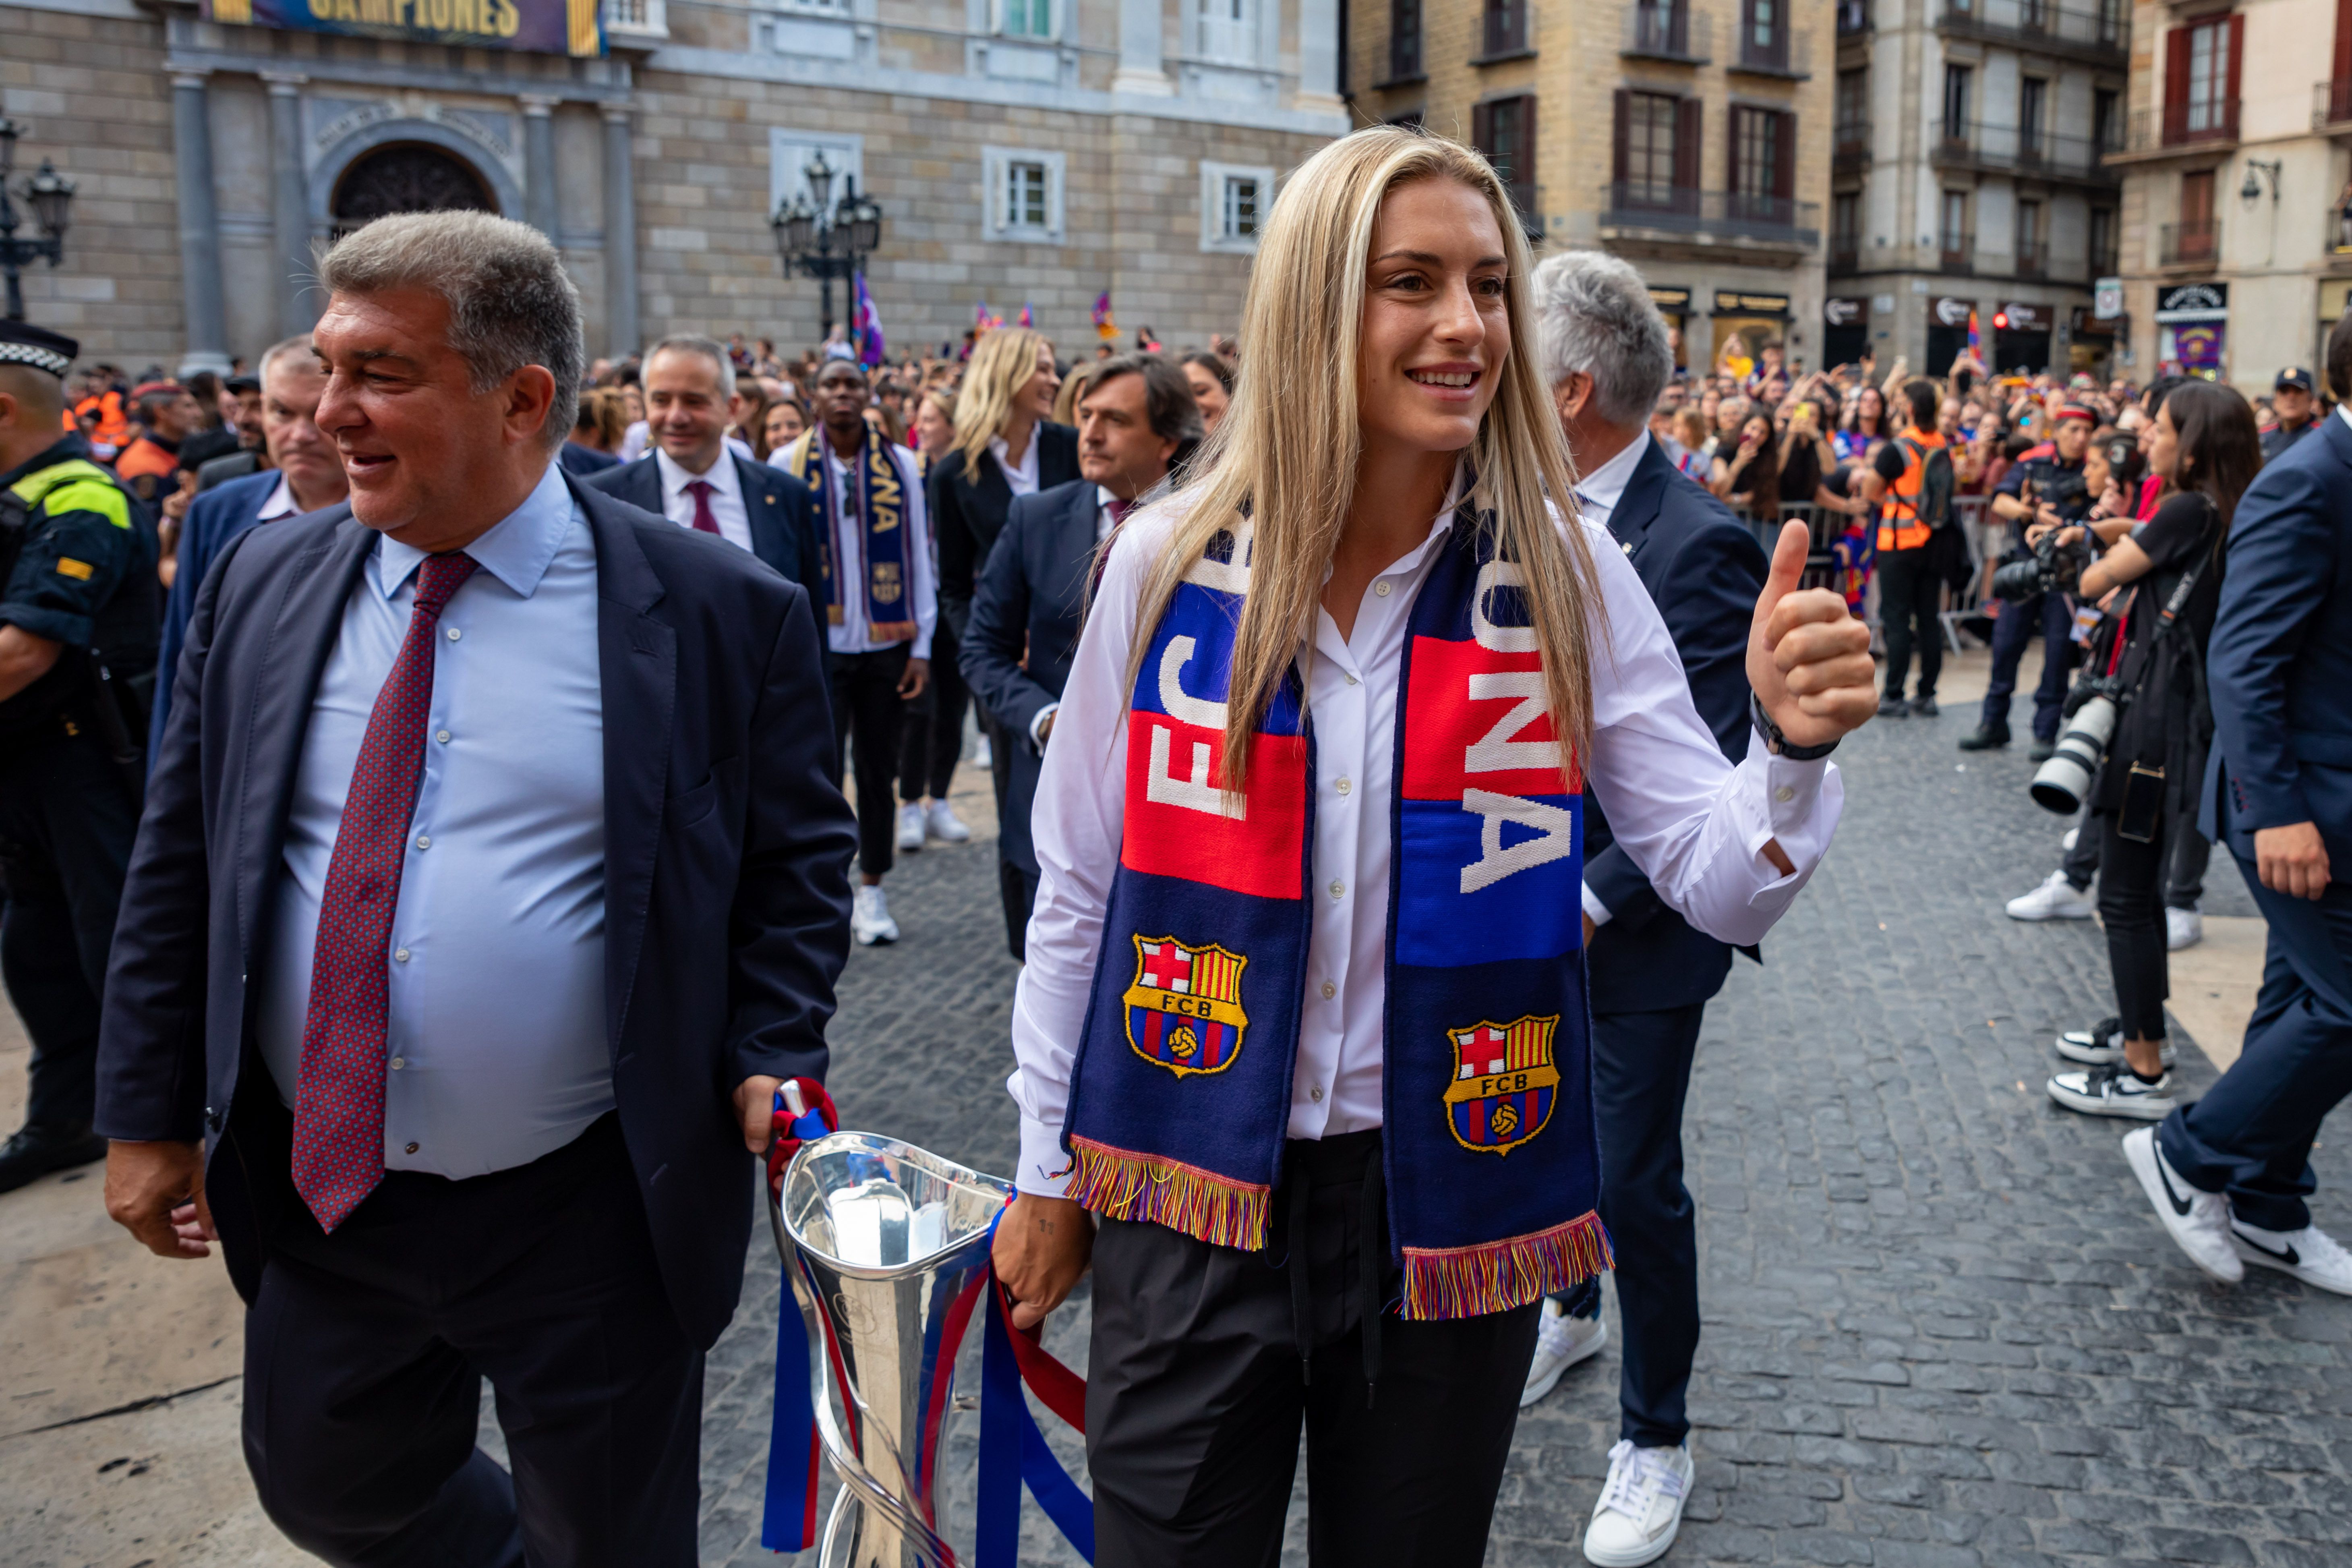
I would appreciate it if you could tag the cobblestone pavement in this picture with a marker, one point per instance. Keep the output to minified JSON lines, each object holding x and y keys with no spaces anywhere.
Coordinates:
{"x":1942,"y":1327}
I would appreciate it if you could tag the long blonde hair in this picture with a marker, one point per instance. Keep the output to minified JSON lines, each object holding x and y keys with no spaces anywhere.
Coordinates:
{"x":1279,"y":472}
{"x":1002,"y":363}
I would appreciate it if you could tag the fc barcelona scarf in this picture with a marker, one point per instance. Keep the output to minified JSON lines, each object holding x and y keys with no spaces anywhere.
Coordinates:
{"x":881,"y":535}
{"x":1179,"y":1105}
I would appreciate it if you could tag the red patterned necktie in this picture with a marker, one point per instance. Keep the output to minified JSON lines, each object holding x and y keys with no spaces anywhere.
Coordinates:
{"x":1118,"y":510}
{"x":705,"y":519}
{"x":339,"y":1099}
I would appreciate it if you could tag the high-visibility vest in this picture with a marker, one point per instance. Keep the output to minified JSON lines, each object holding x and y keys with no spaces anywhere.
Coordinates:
{"x":113,"y":424}
{"x":1903,"y":501}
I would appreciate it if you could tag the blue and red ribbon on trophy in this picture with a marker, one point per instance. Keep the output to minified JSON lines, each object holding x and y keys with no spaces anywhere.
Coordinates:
{"x":788,"y":1522}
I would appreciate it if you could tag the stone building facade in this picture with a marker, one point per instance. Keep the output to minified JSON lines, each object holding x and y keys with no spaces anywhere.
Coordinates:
{"x":1034,"y":153}
{"x":2237,"y":245}
{"x":1691,"y":136}
{"x":1969,"y":174}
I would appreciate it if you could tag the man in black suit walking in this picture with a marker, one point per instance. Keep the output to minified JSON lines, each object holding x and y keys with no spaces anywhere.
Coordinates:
{"x":692,"y":479}
{"x":1650,"y":973}
{"x":1136,"y":420}
{"x":492,"y":882}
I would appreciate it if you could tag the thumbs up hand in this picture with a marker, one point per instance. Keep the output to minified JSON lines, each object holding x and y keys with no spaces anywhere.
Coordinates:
{"x":1808,"y":659}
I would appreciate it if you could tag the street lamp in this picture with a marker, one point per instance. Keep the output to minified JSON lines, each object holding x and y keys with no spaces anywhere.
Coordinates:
{"x":2252,"y":191}
{"x":823,"y":238}
{"x":51,"y":196}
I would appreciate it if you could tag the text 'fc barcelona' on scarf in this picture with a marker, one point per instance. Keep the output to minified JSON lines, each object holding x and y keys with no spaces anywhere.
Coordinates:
{"x":1181,"y":1102}
{"x":880,"y":539}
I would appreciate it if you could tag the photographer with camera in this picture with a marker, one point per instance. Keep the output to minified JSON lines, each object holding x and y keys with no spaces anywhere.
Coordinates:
{"x":2044,"y":491}
{"x":2145,"y":686}
{"x":1911,"y":482}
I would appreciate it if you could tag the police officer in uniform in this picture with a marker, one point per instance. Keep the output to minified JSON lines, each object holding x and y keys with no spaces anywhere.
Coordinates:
{"x":79,"y":618}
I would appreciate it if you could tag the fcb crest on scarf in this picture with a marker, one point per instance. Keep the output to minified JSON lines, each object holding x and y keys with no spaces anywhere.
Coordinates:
{"x":1504,"y":1083}
{"x":1184,"y":1010}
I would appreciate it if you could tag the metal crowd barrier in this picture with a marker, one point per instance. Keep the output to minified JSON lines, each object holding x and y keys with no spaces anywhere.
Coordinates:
{"x":1987,"y":539}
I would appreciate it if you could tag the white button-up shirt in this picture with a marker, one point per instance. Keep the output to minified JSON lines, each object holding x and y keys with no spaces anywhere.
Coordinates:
{"x":725,"y":496}
{"x":1021,"y":476}
{"x":1694,"y":824}
{"x":1597,"y":495}
{"x":855,"y":632}
{"x":281,"y":503}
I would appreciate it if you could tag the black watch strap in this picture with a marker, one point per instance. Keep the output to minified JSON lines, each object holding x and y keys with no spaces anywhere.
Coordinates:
{"x":1779,"y":744}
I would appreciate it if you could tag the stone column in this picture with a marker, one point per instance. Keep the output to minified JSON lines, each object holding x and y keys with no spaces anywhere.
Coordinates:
{"x":1140,"y":24}
{"x":1319,"y":56}
{"x":207,"y":344}
{"x":538,"y":162}
{"x":290,"y":205}
{"x":620,"y":233}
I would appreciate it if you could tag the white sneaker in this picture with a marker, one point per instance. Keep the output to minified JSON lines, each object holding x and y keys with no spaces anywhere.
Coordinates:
{"x":2311,"y":1254}
{"x":2198,"y":1221}
{"x":1560,"y":1342}
{"x":2067,"y":843}
{"x":2114,"y":1091}
{"x":2055,"y":900}
{"x":1641,"y":1508}
{"x":2182,"y":927}
{"x":982,"y":755}
{"x":2104,"y":1045}
{"x":910,"y":827}
{"x":869,"y":916}
{"x":942,"y":824}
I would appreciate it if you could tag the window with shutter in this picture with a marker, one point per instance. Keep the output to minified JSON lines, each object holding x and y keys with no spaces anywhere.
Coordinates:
{"x":1651,"y":162}
{"x":1507,"y":27}
{"x":1503,"y":131}
{"x":1404,"y":40}
{"x":1757,"y":159}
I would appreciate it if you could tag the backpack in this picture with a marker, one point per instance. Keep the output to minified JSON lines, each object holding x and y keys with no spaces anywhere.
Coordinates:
{"x":1934,"y":506}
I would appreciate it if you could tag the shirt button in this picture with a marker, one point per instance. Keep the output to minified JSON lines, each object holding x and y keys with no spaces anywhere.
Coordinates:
{"x":1338,"y":888}
{"x":442,"y":736}
{"x":1329,"y":990}
{"x":1784,"y":795}
{"x":1343,"y":787}
{"x":424,"y":841}
{"x":412,"y":1148}
{"x":398,"y":1063}
{"x":1381,"y":589}
{"x":1351,"y":679}
{"x":1316,"y":1094}
{"x":400,"y":955}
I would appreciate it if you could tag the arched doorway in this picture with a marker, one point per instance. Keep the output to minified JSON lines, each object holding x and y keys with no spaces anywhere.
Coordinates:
{"x":406,"y":177}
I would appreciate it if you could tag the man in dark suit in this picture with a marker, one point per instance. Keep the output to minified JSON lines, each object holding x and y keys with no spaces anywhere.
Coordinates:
{"x":2229,"y":1175}
{"x":306,"y":474}
{"x":1136,"y":420}
{"x":1650,"y":974}
{"x":692,"y":479}
{"x":491,"y":883}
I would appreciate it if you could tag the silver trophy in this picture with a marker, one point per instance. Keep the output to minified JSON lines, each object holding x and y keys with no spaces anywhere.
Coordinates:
{"x":880,"y":1239}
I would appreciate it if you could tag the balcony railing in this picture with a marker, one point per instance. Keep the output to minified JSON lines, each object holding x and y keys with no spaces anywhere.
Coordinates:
{"x":2212,"y":122}
{"x":1781,"y":53}
{"x":2033,"y":260}
{"x":1849,"y":146}
{"x":1712,"y":216}
{"x":2331,"y":102}
{"x":2195,"y":243}
{"x":1845,"y":253}
{"x":1667,"y":33}
{"x":1984,"y":144}
{"x":1852,"y":17}
{"x":1956,"y":253}
{"x":637,"y":21}
{"x":2099,"y":33}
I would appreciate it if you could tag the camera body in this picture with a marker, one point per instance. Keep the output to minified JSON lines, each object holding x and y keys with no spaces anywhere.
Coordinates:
{"x":2051,"y":565}
{"x":2064,"y":490}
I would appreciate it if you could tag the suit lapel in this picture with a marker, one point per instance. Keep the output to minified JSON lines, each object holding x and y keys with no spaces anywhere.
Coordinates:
{"x":307,"y":619}
{"x":769,"y":541}
{"x":636,"y":659}
{"x":1644,"y":493}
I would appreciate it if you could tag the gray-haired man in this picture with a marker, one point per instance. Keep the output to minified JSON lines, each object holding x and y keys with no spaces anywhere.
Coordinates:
{"x":1606,"y":356}
{"x":492,"y":880}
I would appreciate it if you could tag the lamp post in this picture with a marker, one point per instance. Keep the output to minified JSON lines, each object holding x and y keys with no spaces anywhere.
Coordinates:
{"x":827,"y":241}
{"x":51,"y":196}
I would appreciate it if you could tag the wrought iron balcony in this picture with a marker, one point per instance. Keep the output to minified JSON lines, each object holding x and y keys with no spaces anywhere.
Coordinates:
{"x":2010,"y":149}
{"x":1956,"y":253}
{"x":1667,"y":31}
{"x":2194,"y":243}
{"x":1730,"y":219}
{"x":1780,"y":52}
{"x":2100,"y":34}
{"x":2033,"y":260}
{"x":2213,"y":122}
{"x":1850,"y":146}
{"x":2331,"y":104}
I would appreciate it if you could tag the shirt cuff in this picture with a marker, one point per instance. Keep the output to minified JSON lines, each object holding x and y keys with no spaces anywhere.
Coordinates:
{"x":1047,"y":1170}
{"x":922,"y":649}
{"x":1594,"y":909}
{"x":1037,"y":725}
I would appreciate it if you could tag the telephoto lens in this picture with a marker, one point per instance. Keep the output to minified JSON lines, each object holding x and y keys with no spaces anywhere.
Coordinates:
{"x":2060,"y":784}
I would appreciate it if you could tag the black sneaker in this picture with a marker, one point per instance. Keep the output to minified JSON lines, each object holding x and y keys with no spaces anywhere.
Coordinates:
{"x":1984,"y":739}
{"x":1925,"y":707}
{"x":2041,"y":751}
{"x":35,"y":1152}
{"x":1893,"y":708}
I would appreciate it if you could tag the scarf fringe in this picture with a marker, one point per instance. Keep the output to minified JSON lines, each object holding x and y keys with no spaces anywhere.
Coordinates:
{"x":1200,"y":1204}
{"x":1472,"y":1281}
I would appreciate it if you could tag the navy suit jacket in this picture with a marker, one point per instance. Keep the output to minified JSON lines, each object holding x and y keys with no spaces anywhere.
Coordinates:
{"x":2281,"y":657}
{"x":1025,"y":616}
{"x":216,"y":516}
{"x":786,"y":532}
{"x":1704,"y":569}
{"x":968,"y":511}
{"x":727,"y":850}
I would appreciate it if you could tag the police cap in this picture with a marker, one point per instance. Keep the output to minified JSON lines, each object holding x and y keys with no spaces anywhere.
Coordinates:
{"x":2293,"y":375}
{"x":21,"y":343}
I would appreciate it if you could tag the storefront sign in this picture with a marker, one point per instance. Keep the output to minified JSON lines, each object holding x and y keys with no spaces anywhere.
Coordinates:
{"x":1844,"y":313}
{"x":1945,"y":311}
{"x":2025,"y":318}
{"x":2107,"y":299}
{"x":2193,"y":302}
{"x":545,"y":26}
{"x":1727,"y":303}
{"x":2087,"y":322}
{"x":1670,"y":302}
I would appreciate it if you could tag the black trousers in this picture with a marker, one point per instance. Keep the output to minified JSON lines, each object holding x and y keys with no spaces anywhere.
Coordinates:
{"x":364,"y":1353}
{"x":1196,"y":1392}
{"x":68,"y":817}
{"x":866,"y":704}
{"x":1641,"y":1076}
{"x":933,"y":741}
{"x":2251,"y":1135}
{"x":1019,"y":888}
{"x":1907,"y":595}
{"x":2184,"y":879}
{"x":2131,"y":906}
{"x":2050,"y":617}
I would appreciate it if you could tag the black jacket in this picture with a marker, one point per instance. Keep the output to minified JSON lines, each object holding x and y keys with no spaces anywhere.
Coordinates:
{"x":1016,"y":651}
{"x":786,"y":532}
{"x":968,"y":510}
{"x":727,"y":850}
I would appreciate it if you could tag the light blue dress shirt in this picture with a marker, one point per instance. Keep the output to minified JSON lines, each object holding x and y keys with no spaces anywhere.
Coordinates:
{"x":496,"y":1046}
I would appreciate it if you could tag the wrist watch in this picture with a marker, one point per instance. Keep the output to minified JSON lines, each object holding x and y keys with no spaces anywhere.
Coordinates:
{"x":1779,"y":744}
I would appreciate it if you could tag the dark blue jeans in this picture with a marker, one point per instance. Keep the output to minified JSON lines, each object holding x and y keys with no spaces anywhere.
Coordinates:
{"x":1641,"y":1075}
{"x":2251,"y":1135}
{"x":2012,"y":630}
